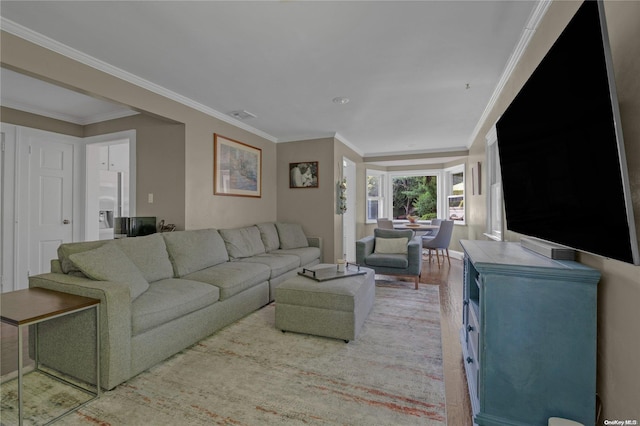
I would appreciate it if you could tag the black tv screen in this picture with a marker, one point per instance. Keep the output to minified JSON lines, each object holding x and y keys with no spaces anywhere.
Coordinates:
{"x":561,"y":151}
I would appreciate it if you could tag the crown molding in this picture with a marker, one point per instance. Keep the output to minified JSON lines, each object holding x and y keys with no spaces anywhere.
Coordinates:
{"x":99,"y":118}
{"x":37,"y":111}
{"x":69,"y":118}
{"x":439,"y":152}
{"x":346,"y":142}
{"x":78,"y":56}
{"x":530,"y":28}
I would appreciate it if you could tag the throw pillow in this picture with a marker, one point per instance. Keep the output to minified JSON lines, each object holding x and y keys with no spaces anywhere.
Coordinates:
{"x":109,"y":263}
{"x":66,"y":250}
{"x":149,"y":254}
{"x":291,"y":236}
{"x":391,"y":245}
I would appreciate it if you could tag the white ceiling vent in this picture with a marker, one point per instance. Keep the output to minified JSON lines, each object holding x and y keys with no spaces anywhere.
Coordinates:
{"x":241,"y":115}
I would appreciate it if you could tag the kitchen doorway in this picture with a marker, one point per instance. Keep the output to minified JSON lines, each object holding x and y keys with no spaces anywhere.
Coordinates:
{"x":110,"y":184}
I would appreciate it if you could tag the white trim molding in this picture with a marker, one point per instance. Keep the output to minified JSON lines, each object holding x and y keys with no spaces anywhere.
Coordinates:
{"x":529,"y":30}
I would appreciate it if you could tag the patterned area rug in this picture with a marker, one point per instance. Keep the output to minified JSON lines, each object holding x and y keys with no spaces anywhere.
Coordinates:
{"x":252,"y":374}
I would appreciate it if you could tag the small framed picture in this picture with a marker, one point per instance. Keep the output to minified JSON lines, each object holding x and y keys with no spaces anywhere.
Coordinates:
{"x":303,"y":175}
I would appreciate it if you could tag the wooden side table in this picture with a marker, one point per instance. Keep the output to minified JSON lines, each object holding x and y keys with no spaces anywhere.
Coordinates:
{"x":32,"y":306}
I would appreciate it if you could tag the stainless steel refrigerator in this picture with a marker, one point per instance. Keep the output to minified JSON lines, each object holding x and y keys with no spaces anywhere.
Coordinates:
{"x":110,"y":202}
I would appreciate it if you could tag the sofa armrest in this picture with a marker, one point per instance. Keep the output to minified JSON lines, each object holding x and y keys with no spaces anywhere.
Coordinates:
{"x":115,"y":328}
{"x":414,"y":256}
{"x":364,"y":247}
{"x":316,"y":242}
{"x":56,"y":266}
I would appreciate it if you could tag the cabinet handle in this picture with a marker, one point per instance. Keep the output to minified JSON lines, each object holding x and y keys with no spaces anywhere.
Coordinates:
{"x":469,"y":360}
{"x":465,"y":303}
{"x":469,"y":328}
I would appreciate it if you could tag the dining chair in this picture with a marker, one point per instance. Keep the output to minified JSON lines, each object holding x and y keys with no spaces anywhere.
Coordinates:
{"x":432,"y":232}
{"x":440,"y":242}
{"x":385,"y":223}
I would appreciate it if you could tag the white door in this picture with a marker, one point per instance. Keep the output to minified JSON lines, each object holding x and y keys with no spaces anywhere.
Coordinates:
{"x":46,"y":200}
{"x":349,"y":217}
{"x":50,"y":201}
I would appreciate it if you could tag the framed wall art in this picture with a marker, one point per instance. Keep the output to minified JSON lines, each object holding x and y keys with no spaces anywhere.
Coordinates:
{"x":303,"y":175}
{"x":237,"y":168}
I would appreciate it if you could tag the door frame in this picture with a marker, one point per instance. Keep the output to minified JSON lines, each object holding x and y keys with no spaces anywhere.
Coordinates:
{"x":8,"y":207}
{"x":349,"y":217}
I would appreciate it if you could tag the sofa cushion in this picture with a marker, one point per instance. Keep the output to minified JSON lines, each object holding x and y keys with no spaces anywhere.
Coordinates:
{"x":278,"y":263}
{"x":307,"y":255}
{"x":391,"y":245}
{"x":291,"y":235}
{"x":110,"y":263}
{"x":67,"y":249}
{"x":232,"y":277}
{"x":242,"y":242}
{"x":149,"y":254}
{"x":168,"y":299}
{"x":269,"y":235}
{"x":387,"y":260}
{"x":191,"y":251}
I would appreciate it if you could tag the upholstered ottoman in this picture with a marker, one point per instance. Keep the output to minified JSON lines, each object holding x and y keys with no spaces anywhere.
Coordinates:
{"x":335,"y":308}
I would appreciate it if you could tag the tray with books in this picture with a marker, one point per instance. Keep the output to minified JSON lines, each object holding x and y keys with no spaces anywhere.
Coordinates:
{"x":331,"y":272}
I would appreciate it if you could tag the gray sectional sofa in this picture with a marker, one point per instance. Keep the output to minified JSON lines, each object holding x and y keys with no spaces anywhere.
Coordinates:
{"x":164,"y":292}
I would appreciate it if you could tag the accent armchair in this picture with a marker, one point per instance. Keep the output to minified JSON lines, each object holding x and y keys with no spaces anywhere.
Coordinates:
{"x":391,"y":252}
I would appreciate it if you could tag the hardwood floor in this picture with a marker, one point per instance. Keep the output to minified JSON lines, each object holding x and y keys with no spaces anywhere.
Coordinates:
{"x":448,"y":278}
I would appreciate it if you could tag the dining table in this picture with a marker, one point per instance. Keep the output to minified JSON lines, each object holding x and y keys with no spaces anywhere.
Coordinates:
{"x":416,"y":227}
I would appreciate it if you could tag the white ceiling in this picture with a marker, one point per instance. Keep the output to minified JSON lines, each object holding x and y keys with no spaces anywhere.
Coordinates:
{"x":418,"y":74}
{"x":24,"y":93}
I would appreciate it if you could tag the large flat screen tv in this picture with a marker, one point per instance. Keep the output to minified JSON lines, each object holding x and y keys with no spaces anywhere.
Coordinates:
{"x":564,"y":173}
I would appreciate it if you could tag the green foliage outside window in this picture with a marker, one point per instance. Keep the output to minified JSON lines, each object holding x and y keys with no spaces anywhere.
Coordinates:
{"x":416,"y":196}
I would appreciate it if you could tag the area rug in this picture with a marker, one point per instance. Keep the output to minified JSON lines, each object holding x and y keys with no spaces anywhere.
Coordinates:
{"x":249,"y":373}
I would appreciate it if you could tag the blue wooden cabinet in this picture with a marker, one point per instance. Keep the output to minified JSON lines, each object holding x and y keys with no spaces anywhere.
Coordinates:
{"x":528,"y":336}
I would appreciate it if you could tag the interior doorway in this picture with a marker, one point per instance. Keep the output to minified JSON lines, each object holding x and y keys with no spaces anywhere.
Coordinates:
{"x":110,"y":182}
{"x":349,"y":216}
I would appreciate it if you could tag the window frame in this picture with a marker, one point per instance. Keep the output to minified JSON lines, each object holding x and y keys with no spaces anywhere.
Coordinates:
{"x":448,"y":190}
{"x":381,"y":196}
{"x":495,"y":203}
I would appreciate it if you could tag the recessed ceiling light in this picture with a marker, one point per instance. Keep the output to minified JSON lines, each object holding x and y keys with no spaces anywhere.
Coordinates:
{"x":340,"y":100}
{"x":241,"y":115}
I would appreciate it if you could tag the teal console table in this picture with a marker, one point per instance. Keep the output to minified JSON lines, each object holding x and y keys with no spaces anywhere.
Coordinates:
{"x":528,"y":336}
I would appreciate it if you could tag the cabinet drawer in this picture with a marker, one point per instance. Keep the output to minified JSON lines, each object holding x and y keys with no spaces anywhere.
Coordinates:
{"x":473,"y":329}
